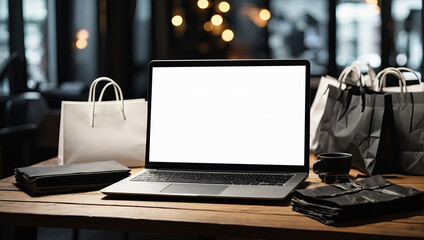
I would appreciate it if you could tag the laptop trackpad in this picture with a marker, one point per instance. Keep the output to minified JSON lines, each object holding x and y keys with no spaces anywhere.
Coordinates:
{"x":194,"y":189}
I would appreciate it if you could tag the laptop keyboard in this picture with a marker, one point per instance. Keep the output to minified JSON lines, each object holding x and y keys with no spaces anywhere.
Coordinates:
{"x":214,"y":178}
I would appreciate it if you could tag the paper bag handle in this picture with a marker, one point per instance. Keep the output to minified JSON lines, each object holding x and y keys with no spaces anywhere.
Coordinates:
{"x":382,"y":75}
{"x":117,"y":89}
{"x":117,"y":96}
{"x":343,"y":75}
{"x":370,"y":70}
{"x":412,"y":71}
{"x":91,"y":96}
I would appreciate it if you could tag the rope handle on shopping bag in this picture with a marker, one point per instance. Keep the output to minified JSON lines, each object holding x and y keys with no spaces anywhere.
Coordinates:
{"x":116,"y":86}
{"x":117,"y":89}
{"x":412,"y":71}
{"x":343,"y":75}
{"x":382,"y":75}
{"x":342,"y":78}
{"x":117,"y":96}
{"x":91,"y":96}
{"x":370,"y":70}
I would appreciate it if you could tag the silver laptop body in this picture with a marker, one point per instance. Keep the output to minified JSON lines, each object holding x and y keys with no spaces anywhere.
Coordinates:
{"x":221,"y":118}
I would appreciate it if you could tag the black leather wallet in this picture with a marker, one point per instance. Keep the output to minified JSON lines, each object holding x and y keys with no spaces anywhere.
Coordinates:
{"x":69,"y":178}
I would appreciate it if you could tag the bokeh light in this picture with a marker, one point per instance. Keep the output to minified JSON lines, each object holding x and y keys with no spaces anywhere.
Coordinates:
{"x":208,"y":26}
{"x":224,"y":7}
{"x":81,"y":43}
{"x":177,"y":20}
{"x":203,"y":4}
{"x":264,"y":14}
{"x":216,"y":19}
{"x":227,"y":35}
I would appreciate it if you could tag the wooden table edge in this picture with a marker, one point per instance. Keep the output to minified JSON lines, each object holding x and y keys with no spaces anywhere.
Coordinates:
{"x":180,"y":228}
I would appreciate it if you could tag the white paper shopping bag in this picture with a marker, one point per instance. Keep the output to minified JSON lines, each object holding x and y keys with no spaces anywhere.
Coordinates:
{"x":317,"y":109}
{"x":103,"y":130}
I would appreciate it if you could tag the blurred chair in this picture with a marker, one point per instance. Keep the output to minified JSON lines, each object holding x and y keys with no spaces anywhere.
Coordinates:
{"x":67,"y":91}
{"x":20,"y":116}
{"x":19,"y":132}
{"x":24,"y":108}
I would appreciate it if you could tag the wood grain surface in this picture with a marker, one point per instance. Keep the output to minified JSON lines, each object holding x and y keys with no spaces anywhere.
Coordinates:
{"x":200,"y":217}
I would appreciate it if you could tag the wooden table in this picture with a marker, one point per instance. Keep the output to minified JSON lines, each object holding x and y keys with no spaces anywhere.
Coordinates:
{"x":92,"y":210}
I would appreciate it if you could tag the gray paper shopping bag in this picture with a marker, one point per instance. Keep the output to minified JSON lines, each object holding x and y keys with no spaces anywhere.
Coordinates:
{"x":359,"y":123}
{"x":408,"y":113}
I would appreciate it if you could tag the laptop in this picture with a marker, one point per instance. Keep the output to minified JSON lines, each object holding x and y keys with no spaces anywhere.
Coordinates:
{"x":224,"y":128}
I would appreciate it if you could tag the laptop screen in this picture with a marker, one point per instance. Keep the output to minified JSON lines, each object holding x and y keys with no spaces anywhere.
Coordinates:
{"x":243,"y":114}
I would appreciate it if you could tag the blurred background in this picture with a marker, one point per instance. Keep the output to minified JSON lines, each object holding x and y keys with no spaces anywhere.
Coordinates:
{"x":50,"y":50}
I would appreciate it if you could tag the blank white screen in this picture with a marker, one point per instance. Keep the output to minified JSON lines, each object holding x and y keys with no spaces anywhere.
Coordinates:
{"x":228,"y":115}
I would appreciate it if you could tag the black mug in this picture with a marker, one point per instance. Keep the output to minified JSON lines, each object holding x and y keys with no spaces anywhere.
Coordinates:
{"x":332,"y":166}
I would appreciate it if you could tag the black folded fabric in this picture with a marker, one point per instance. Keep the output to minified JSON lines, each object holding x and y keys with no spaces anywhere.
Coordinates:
{"x":355,"y":200}
{"x":70,"y":178}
